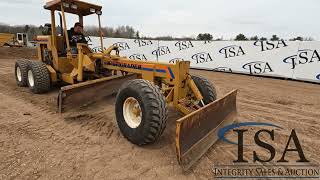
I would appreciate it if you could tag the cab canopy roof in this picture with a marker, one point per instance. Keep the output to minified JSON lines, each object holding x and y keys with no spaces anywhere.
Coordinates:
{"x":73,"y":6}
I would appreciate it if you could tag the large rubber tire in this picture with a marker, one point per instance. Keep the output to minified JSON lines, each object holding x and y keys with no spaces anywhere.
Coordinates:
{"x":20,"y":72}
{"x":38,"y":77}
{"x":153,"y":107}
{"x":206,"y":88}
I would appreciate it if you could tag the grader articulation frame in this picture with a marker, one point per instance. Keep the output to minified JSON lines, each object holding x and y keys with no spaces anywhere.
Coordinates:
{"x":143,"y":88}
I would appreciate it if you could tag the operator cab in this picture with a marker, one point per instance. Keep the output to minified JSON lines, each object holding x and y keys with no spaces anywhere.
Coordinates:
{"x":60,"y":40}
{"x":74,"y":7}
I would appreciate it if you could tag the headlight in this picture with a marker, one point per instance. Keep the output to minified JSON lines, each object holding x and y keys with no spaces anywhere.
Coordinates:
{"x":66,"y":5}
{"x":74,"y":6}
{"x":99,"y":12}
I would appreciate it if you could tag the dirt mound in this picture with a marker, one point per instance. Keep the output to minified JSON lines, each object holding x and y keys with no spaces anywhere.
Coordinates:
{"x":35,"y":142}
{"x":18,"y":52}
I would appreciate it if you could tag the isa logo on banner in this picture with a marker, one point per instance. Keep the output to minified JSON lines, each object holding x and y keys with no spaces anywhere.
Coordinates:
{"x":232,"y":51}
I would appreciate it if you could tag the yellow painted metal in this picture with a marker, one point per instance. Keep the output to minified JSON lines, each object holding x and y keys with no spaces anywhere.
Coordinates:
{"x":53,"y":30}
{"x":83,"y":7}
{"x":5,"y":38}
{"x":80,"y":64}
{"x":74,"y":73}
{"x":53,"y":74}
{"x":66,"y":77}
{"x":64,"y":28}
{"x":194,"y":89}
{"x":73,"y":96}
{"x":42,"y":39}
{"x":65,"y":65}
{"x":174,"y":80}
{"x":57,"y":61}
{"x":110,"y":49}
{"x":169,"y":97}
{"x":39,"y":50}
{"x":71,"y":67}
{"x":97,"y":55}
{"x":88,"y":63}
{"x":184,"y":109}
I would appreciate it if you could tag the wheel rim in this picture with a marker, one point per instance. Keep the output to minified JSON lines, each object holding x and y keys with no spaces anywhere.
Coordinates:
{"x":132,"y":112}
{"x":18,"y":73}
{"x":30,"y":78}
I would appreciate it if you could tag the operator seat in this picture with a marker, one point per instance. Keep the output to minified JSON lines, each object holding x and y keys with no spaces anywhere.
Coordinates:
{"x":46,"y":29}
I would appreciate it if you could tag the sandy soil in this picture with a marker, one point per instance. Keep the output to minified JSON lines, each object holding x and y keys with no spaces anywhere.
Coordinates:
{"x":37,"y":143}
{"x":17,"y":52}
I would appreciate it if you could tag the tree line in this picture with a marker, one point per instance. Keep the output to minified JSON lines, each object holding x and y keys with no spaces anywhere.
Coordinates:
{"x":242,"y":37}
{"x":33,"y":31}
{"x":131,"y":33}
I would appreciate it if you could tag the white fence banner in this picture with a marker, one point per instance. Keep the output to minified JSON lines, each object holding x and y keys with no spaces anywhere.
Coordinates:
{"x":306,"y":63}
{"x":286,"y":59}
{"x":132,"y":48}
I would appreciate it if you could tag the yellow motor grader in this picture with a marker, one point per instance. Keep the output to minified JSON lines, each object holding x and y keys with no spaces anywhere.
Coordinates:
{"x":144,"y":89}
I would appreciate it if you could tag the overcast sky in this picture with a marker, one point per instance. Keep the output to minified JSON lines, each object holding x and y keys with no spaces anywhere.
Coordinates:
{"x":286,"y":18}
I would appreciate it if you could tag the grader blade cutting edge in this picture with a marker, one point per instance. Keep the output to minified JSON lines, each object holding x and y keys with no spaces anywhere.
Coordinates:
{"x":77,"y":95}
{"x":197,"y":132}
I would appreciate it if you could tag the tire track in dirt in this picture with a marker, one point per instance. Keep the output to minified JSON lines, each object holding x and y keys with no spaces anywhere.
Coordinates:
{"x":62,"y":133}
{"x":44,"y":102}
{"x":290,"y":117}
{"x":279,"y":107}
{"x":282,"y":116}
{"x":47,"y":103}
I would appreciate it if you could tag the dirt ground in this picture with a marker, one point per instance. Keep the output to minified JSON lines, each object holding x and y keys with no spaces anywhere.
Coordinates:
{"x":37,"y":143}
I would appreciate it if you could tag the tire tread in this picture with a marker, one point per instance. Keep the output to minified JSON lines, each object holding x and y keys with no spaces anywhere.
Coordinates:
{"x":206,"y":88}
{"x":41,"y":76}
{"x":23,"y":65}
{"x":157,"y":109}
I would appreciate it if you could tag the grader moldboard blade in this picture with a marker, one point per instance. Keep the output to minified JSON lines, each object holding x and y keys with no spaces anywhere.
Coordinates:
{"x":198,"y":131}
{"x":77,"y":95}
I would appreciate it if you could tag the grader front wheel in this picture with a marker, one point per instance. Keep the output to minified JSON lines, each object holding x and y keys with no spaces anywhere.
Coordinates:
{"x":141,"y":111}
{"x":206,"y":89}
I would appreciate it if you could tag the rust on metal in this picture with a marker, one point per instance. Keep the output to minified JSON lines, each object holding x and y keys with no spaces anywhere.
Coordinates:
{"x":197,"y":132}
{"x":77,"y":95}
